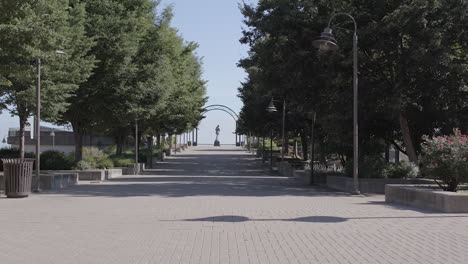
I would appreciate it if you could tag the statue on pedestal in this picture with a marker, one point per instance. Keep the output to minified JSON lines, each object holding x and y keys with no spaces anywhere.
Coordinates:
{"x":216,"y":143}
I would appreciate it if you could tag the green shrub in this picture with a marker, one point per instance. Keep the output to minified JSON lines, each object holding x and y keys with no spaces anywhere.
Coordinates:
{"x":104,"y":163}
{"x":371,"y":166}
{"x":400,"y":170}
{"x":446,"y":159}
{"x":8,"y":153}
{"x":121,"y":162}
{"x":55,"y":160}
{"x":82,"y":165}
{"x":96,"y":158}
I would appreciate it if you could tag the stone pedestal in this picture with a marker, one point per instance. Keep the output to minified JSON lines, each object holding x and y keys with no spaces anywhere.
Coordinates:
{"x":216,"y":143}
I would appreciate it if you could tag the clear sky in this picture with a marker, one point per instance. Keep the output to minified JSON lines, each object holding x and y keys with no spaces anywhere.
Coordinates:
{"x":216,"y":25}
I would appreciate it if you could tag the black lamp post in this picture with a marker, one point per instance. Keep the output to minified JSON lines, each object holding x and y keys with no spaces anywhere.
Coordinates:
{"x":38,"y":120}
{"x":271,"y":109}
{"x":52,"y":134}
{"x":327,"y":42}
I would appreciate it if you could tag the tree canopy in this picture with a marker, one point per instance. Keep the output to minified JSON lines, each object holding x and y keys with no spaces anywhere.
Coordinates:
{"x":412,"y":70}
{"x":123,"y":63}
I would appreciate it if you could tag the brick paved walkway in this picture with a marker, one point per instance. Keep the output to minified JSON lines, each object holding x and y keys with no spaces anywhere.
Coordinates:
{"x":210,"y":205}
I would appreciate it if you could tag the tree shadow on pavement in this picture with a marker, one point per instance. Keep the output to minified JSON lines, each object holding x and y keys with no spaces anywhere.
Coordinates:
{"x":307,"y":219}
{"x":183,"y":187}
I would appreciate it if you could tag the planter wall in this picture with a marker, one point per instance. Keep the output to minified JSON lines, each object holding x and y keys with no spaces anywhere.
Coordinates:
{"x":135,"y":168}
{"x":113,"y":173}
{"x":90,"y":175}
{"x":151,"y":162}
{"x":346,"y":184}
{"x":51,"y":182}
{"x":285,"y":168}
{"x":319,"y":178}
{"x":415,"y":195}
{"x":302,"y":176}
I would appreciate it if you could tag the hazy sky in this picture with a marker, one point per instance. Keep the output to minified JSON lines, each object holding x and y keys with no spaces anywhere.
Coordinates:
{"x":216,"y":25}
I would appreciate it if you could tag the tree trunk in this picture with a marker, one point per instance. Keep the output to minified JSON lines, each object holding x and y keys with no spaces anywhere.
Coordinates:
{"x":150,"y":143}
{"x":78,"y":134}
{"x":120,"y":140}
{"x":295,"y":148}
{"x":405,"y":130}
{"x":158,"y":141}
{"x":170,"y":141}
{"x":23,"y":121}
{"x":323,"y":158}
{"x":119,"y":145}
{"x":78,"y":145}
{"x":305,"y":147}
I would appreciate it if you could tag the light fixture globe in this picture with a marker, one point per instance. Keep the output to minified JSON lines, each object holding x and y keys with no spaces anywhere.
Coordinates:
{"x":271,"y":107}
{"x":326,"y":41}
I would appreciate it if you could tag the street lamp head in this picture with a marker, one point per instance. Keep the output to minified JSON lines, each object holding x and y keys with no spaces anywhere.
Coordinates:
{"x":3,"y":141}
{"x":271,"y":107}
{"x":326,"y":41}
{"x":52,"y":133}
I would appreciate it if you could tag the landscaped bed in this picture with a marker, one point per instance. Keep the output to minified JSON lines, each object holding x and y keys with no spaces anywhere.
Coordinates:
{"x":445,"y":159}
{"x":428,"y":197}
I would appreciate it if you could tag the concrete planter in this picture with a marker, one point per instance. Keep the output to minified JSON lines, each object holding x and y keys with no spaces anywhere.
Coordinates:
{"x":113,"y":173}
{"x":125,"y":170}
{"x":302,"y":176}
{"x":83,"y":175}
{"x":51,"y":181}
{"x":161,"y":156}
{"x":319,"y":178}
{"x":259,"y":153}
{"x":151,"y":162}
{"x":90,"y":175}
{"x":372,"y":185}
{"x":168,"y":152}
{"x":286,"y":168}
{"x":417,"y":196}
{"x":136,"y":168}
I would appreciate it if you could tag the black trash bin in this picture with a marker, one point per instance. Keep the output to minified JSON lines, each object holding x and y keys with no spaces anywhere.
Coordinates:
{"x":18,"y":176}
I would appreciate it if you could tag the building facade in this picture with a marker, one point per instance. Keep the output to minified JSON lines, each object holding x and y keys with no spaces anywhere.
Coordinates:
{"x":56,"y":139}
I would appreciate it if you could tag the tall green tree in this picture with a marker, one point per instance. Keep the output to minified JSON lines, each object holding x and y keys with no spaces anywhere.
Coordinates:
{"x":32,"y":30}
{"x":107,"y":100}
{"x":180,"y":74}
{"x":412,"y":60}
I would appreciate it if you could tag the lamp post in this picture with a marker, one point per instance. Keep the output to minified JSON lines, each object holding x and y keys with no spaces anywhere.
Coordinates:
{"x":136,"y":142}
{"x":38,"y":120}
{"x":52,"y":134}
{"x":327,"y":42}
{"x":271,"y":109}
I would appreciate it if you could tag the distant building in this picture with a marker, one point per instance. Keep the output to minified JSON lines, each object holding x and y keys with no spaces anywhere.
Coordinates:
{"x":55,"y":139}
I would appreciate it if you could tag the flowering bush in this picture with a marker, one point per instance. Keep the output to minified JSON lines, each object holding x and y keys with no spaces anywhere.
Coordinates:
{"x":445,"y":159}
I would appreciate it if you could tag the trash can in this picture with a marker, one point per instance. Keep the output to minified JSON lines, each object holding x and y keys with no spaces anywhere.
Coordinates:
{"x":168,"y":152}
{"x":18,"y":176}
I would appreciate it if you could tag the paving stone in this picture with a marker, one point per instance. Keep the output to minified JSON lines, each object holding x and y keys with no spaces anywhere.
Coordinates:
{"x":218,"y":205}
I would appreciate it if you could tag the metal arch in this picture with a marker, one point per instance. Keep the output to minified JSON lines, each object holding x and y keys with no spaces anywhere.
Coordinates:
{"x":216,"y":106}
{"x":220,"y":109}
{"x":227,"y":110}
